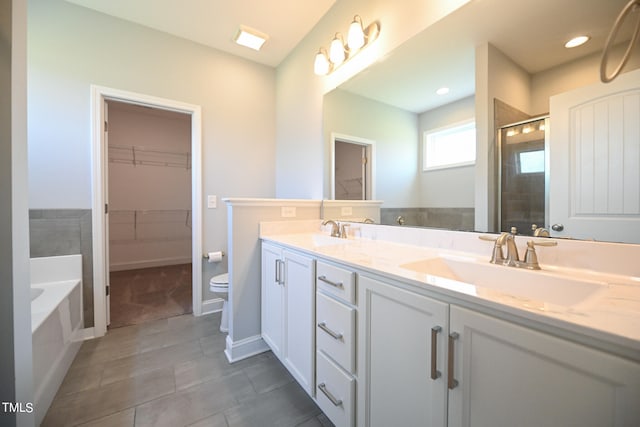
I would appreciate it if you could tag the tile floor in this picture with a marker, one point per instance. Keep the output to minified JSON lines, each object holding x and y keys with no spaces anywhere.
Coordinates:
{"x":145,"y":294}
{"x":173,"y":372}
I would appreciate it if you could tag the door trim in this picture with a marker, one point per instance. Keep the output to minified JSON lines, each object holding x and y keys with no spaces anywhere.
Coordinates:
{"x":370,"y":146}
{"x":99,"y":175}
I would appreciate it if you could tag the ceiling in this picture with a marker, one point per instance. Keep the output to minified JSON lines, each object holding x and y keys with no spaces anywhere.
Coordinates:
{"x":214,"y":22}
{"x":530,"y":32}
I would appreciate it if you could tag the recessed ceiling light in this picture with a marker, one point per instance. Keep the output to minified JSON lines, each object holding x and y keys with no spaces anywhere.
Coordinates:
{"x":443,"y":91}
{"x":576,"y":41}
{"x":249,"y":37}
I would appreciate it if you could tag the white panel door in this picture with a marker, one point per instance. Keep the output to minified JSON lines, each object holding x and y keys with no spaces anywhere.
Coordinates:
{"x":509,"y":376}
{"x":401,"y":357}
{"x":272,"y":317}
{"x":299,"y":291}
{"x":594,"y":161}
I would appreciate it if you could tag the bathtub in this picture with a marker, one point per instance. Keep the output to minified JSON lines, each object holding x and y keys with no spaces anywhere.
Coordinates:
{"x":56,"y":324}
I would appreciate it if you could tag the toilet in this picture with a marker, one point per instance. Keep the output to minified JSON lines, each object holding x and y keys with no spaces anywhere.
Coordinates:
{"x":220,"y":285}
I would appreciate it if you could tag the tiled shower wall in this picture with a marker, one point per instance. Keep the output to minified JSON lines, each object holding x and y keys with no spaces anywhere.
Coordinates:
{"x":461,"y":219}
{"x":55,"y":232}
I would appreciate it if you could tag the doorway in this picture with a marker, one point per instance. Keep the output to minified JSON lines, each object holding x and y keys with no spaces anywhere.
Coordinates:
{"x":352,"y":168}
{"x":149,"y":199}
{"x":153,"y":222}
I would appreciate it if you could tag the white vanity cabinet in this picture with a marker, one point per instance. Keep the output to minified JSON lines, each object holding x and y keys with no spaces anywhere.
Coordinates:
{"x":288,"y":310}
{"x":335,"y":343}
{"x":401,"y":357}
{"x":511,"y":375}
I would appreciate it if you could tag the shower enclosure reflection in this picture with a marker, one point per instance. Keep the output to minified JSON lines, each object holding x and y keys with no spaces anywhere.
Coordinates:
{"x":523,"y":175}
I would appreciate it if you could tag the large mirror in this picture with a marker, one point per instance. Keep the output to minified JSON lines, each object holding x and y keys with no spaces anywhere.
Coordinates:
{"x":501,"y":61}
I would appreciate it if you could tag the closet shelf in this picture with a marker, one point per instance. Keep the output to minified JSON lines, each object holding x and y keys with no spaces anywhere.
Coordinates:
{"x":143,"y":156}
{"x":127,"y":226}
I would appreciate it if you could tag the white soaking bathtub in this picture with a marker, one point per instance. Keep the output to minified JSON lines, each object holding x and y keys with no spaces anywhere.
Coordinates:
{"x":56,"y":324}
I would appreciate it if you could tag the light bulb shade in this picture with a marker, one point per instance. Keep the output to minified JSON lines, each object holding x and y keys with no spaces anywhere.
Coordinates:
{"x":336,"y":51}
{"x":321,"y":65}
{"x":355,"y":37}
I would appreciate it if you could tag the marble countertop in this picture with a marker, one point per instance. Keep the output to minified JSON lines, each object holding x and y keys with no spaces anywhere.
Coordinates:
{"x":609,"y":312}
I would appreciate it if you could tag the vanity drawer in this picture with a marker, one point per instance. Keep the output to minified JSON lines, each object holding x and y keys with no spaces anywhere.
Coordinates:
{"x":337,"y":281}
{"x":336,"y":391}
{"x":335,"y":330}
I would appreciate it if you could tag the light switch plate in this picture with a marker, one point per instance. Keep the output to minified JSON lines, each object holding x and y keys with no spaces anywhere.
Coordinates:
{"x":212,"y":202}
{"x":288,"y":212}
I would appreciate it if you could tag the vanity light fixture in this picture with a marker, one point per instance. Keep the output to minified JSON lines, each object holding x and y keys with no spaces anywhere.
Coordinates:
{"x":358,"y":38}
{"x":250,"y":38}
{"x":322,"y":66}
{"x":337,"y":53}
{"x":442,"y":91}
{"x":576,"y":41}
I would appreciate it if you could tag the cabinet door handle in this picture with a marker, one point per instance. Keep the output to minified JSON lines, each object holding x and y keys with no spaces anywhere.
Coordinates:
{"x":331,"y":397}
{"x":329,"y":282}
{"x":334,"y":335}
{"x":435,"y":374}
{"x":278,"y":271}
{"x":451,"y":382}
{"x":282,"y":278}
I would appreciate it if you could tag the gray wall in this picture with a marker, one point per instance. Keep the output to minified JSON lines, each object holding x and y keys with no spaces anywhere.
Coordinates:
{"x":452,"y":187}
{"x":395,"y":132}
{"x":71,"y":47}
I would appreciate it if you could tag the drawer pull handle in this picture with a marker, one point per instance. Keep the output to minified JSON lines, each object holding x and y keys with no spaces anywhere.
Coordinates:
{"x":334,"y":335}
{"x":435,"y":374}
{"x":329,"y":282}
{"x":451,"y":382}
{"x":331,"y":397}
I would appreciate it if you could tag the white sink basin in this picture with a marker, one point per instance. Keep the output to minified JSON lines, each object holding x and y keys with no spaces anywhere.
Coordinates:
{"x":539,"y":286}
{"x":325,"y":240}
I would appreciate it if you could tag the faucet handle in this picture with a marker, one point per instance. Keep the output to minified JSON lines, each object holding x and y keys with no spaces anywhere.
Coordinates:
{"x":497,"y":256}
{"x":343,"y":230}
{"x":530,"y":257}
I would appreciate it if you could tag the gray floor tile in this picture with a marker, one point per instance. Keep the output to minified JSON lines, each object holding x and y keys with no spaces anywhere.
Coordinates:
{"x":93,"y":404}
{"x":131,"y":366}
{"x":211,"y":366}
{"x":195,"y":403}
{"x":81,"y":379}
{"x":120,"y":419}
{"x":215,"y":343}
{"x":268,"y":375}
{"x":204,"y":327}
{"x":288,"y":405}
{"x":217,"y":420}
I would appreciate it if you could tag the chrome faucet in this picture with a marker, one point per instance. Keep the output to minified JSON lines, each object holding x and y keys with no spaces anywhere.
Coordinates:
{"x":512,"y":259}
{"x":335,"y":227}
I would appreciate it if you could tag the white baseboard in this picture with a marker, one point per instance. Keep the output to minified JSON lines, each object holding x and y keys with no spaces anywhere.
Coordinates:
{"x":212,"y":305}
{"x":86,"y":334}
{"x":245,"y":348}
{"x":160,"y":262}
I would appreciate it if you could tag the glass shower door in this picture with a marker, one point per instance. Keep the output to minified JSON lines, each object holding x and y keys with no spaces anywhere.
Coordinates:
{"x":523,"y":175}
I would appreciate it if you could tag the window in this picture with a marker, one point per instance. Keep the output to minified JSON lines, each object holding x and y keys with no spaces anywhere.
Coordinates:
{"x":450,"y":147}
{"x":531,"y":161}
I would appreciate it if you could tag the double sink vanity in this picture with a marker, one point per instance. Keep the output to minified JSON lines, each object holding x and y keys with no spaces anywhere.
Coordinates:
{"x":396,"y":327}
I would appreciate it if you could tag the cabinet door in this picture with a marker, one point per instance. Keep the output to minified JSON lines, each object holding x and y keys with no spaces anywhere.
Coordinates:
{"x":272,"y":298}
{"x":395,"y":385}
{"x":509,"y":375}
{"x":299,"y":318}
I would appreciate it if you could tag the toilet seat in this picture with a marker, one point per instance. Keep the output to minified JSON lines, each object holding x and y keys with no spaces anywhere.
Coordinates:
{"x":219,"y":283}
